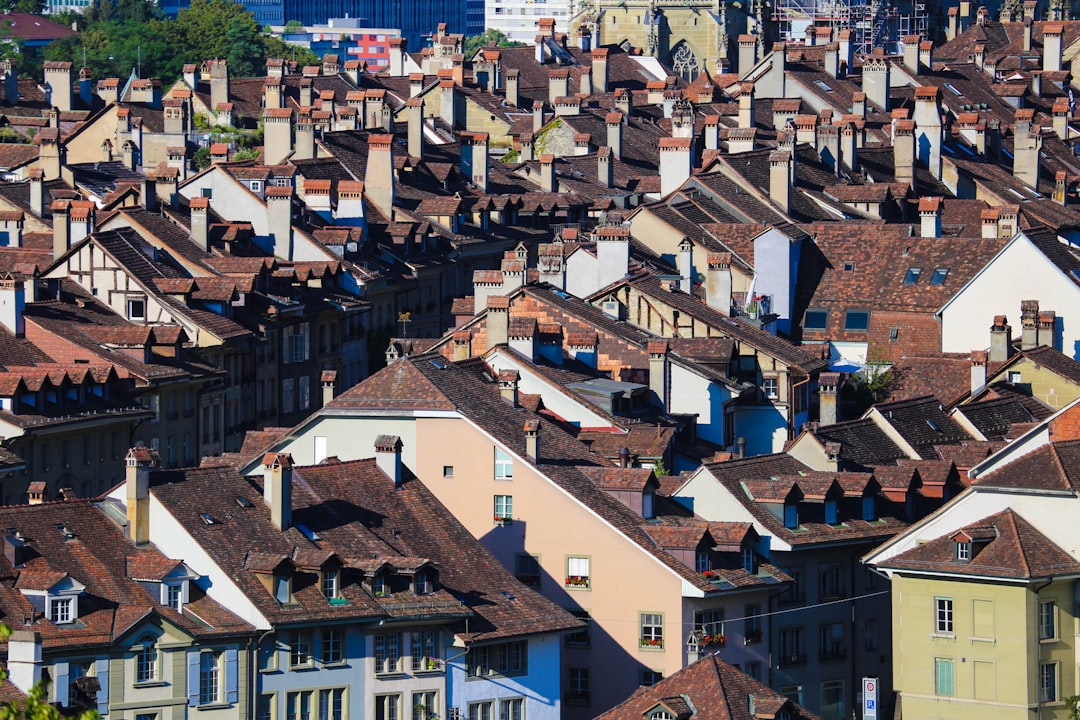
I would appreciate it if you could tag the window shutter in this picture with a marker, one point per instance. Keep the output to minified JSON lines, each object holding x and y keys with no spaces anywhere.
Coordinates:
{"x":102,"y":672}
{"x":232,"y":693}
{"x":61,"y":683}
{"x":193,"y":678}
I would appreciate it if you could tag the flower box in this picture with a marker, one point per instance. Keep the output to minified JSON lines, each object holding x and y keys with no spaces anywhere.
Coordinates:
{"x":577,"y":581}
{"x":652,"y":642}
{"x":713,"y":641}
{"x":503,"y":520}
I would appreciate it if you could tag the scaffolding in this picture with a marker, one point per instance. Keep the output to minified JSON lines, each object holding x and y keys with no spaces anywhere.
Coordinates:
{"x":873,"y":23}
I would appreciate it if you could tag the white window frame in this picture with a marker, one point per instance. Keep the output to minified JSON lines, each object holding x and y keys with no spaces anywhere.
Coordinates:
{"x":944,"y":619}
{"x":1048,"y":625}
{"x":504,"y":465}
{"x":210,"y":685}
{"x":147,"y":661}
{"x":63,"y":610}
{"x":578,"y":567}
{"x":136,"y":317}
{"x":504,"y":508}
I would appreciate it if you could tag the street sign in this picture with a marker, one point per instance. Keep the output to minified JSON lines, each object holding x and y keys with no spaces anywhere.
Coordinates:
{"x":870,"y":698}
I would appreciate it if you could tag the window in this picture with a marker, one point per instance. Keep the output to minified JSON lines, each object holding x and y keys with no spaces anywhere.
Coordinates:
{"x":527,"y":569}
{"x":912,"y":276}
{"x":387,"y":653}
{"x":770,"y":386}
{"x":831,"y":641}
{"x":816,"y":320}
{"x":209,"y":678}
{"x":963,"y":551}
{"x":330,"y":646}
{"x":791,"y":516}
{"x":480,"y":710}
{"x":1048,"y":682}
{"x":794,"y":693}
{"x":577,"y":572}
{"x":330,"y":584}
{"x":424,"y":705}
{"x":869,"y":509}
{"x":287,"y":398}
{"x":504,"y":508}
{"x":830,"y":581}
{"x":792,"y":647}
{"x":857,"y":321}
{"x":512,"y":709}
{"x":753,"y":669}
{"x":448,"y":471}
{"x":504,"y":466}
{"x":943,"y":676}
{"x":136,"y":309}
{"x":832,"y":512}
{"x":849,"y":266}
{"x":581,"y":638}
{"x":894,"y":333}
{"x":796,"y":592}
{"x":387,"y":707}
{"x":651,"y":677}
{"x":870,"y":634}
{"x":652,"y":630}
{"x":146,"y":661}
{"x":938,"y":278}
{"x":577,"y":685}
{"x":298,"y":705}
{"x":832,"y":700}
{"x":1048,"y":620}
{"x":425,"y":655}
{"x":751,"y":623}
{"x":294,"y":343}
{"x":300,"y":649}
{"x":174,"y":596}
{"x":77,"y":670}
{"x":264,"y":709}
{"x":943,"y":615}
{"x":702,"y":561}
{"x":61,"y":610}
{"x":332,"y":704}
{"x":501,"y":659}
{"x":710,"y":622}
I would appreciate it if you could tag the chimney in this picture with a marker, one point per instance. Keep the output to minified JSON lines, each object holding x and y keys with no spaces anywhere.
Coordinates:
{"x":828,"y":383}
{"x":200,"y":222}
{"x":508,"y":386}
{"x":930,"y":216}
{"x":904,"y":152}
{"x":37,"y":192}
{"x":599,"y":70}
{"x":1029,"y":324}
{"x":686,"y":265}
{"x":858,"y":104}
{"x":558,"y":84}
{"x":1027,"y":35}
{"x":462,"y":345}
{"x":532,"y":441}
{"x":86,"y":86}
{"x":13,"y":225}
{"x":875,"y":74}
{"x":447,"y":103}
{"x":148,"y":196}
{"x":388,"y":458}
{"x":277,"y":134}
{"x":61,"y":228}
{"x":718,"y":283}
{"x":58,"y":84}
{"x":612,"y":254}
{"x":675,"y":163}
{"x":927,"y":119}
{"x":585,"y":82}
{"x":911,"y":53}
{"x":978,"y":370}
{"x":1027,"y":144}
{"x":139,"y":462}
{"x":978,"y":56}
{"x":415,"y":110}
{"x":279,"y":202}
{"x":512,"y":80}
{"x":277,"y":488}
{"x":1061,"y":187}
{"x":747,"y":53}
{"x":498,"y":321}
{"x":847,"y":51}
{"x":1000,"y":340}
{"x":828,"y":146}
{"x":779,"y":66}
{"x":1060,"y":113}
{"x":926,"y":54}
{"x":305,"y":137}
{"x":624,"y":103}
{"x":832,"y":60}
{"x":712,"y":132}
{"x":952,"y":27}
{"x":49,"y":153}
{"x":604,"y":172}
{"x":989,"y":223}
{"x":538,"y":116}
{"x":379,"y":174}
{"x":614,"y":121}
{"x":12,"y":304}
{"x":350,"y":207}
{"x":658,"y":370}
{"x":11,"y":81}
{"x":547,"y":173}
{"x":849,"y":146}
{"x":746,"y":105}
{"x":525,"y":147}
{"x":219,"y":83}
{"x":397,"y":56}
{"x":1052,"y":46}
{"x":779,"y":180}
{"x":474,"y":149}
{"x":24,"y":659}
{"x":416,"y":84}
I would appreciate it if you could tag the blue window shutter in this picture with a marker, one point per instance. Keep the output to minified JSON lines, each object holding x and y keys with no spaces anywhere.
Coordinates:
{"x":232,"y":693}
{"x":102,"y":671}
{"x":61,"y":682}
{"x":193,"y":678}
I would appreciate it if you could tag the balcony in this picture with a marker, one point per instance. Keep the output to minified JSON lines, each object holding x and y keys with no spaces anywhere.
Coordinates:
{"x":792,"y":659}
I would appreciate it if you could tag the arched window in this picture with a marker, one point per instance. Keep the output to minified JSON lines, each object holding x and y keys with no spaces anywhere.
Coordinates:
{"x":684,"y":62}
{"x":146,"y":660}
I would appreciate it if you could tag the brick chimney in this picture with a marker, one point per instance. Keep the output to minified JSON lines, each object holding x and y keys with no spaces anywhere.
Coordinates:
{"x":780,"y":180}
{"x":828,"y":384}
{"x":279,"y":201}
{"x":875,"y":74}
{"x":508,"y":386}
{"x":600,"y":70}
{"x":658,"y":370}
{"x":904,"y":152}
{"x":379,"y":174}
{"x":498,"y":321}
{"x":978,"y":370}
{"x":548,"y":183}
{"x":930,"y":216}
{"x":388,"y":458}
{"x":1026,"y":46}
{"x":277,"y":488}
{"x":675,"y":163}
{"x":718,"y":282}
{"x":200,"y":221}
{"x":58,"y":84}
{"x":1029,"y":324}
{"x":532,"y":440}
{"x":139,"y":462}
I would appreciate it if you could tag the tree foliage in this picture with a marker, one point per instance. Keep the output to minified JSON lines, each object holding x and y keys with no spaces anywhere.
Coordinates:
{"x":489,"y":37}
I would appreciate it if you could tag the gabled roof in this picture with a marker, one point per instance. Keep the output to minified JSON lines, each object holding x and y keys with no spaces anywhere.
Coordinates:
{"x":922,"y":423}
{"x":1016,"y":551}
{"x":1053,"y":466}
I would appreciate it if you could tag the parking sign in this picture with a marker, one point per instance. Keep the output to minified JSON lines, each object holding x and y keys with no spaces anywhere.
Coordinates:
{"x":870,"y":698}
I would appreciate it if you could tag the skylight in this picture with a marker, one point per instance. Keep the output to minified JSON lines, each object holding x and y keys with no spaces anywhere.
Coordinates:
{"x":939,"y":276}
{"x":953,"y":89}
{"x":823,"y":86}
{"x":912,"y":276}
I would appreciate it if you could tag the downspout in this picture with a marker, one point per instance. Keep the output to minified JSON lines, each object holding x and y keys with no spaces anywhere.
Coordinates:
{"x":255,"y":670}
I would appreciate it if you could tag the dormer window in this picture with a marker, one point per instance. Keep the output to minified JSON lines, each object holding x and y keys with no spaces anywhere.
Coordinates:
{"x":748,"y":559}
{"x":379,"y":586}
{"x":661,"y":715}
{"x":647,"y":511}
{"x":282,"y":588}
{"x":330,"y":584}
{"x":62,"y":610}
{"x":424,"y":583}
{"x":963,"y":551}
{"x":702,"y":562}
{"x":174,"y":595}
{"x":869,"y":509}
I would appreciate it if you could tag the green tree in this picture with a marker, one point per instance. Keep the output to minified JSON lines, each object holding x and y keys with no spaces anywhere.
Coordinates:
{"x":489,"y":37}
{"x":122,"y":10}
{"x":201,"y":158}
{"x":294,"y":26}
{"x":203,"y":27}
{"x":245,"y":49}
{"x":275,"y":47}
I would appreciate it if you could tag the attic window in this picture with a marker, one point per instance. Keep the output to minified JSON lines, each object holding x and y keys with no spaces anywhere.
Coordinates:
{"x":894,"y":333}
{"x":791,"y":516}
{"x":647,"y":511}
{"x":330,"y":584}
{"x":963,"y":551}
{"x":869,"y":509}
{"x":831,"y":513}
{"x":61,"y":610}
{"x":857,"y":321}
{"x":912,"y":276}
{"x":816,"y":320}
{"x":282,"y":591}
{"x":661,"y":715}
{"x":939,"y":276}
